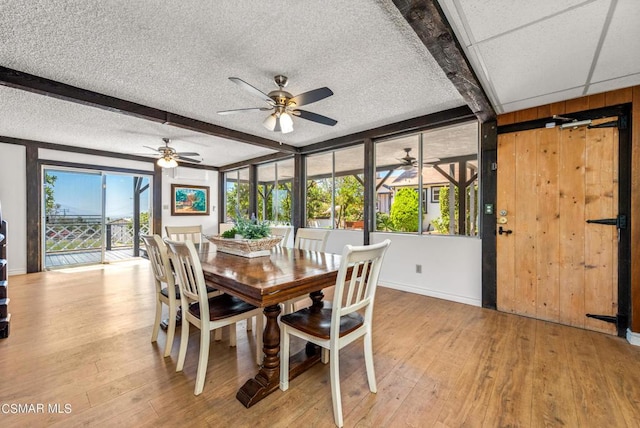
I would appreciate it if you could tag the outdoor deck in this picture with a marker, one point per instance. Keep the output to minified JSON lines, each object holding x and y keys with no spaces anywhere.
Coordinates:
{"x":53,"y":261}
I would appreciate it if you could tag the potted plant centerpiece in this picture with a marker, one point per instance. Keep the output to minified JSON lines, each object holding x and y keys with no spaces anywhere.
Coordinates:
{"x":248,"y":238}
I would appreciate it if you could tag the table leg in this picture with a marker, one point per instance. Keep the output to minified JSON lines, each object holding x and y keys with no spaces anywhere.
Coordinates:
{"x":268,"y":378}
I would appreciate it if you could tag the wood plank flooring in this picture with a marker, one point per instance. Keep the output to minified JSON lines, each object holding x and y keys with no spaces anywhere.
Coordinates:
{"x":81,"y":337}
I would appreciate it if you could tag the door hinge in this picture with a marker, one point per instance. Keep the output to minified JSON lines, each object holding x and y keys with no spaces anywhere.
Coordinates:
{"x":620,"y":221}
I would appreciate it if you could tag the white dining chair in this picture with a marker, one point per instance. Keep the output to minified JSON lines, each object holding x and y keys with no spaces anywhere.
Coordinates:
{"x":185,"y":233}
{"x":283,"y":232}
{"x":206,"y":313}
{"x":167,"y":291}
{"x":312,"y":240}
{"x":349,"y":318}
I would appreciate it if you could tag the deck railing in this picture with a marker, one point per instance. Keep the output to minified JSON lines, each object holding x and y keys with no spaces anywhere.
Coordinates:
{"x":81,"y":233}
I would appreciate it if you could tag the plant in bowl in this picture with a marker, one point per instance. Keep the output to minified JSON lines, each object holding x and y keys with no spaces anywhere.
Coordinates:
{"x":251,"y":228}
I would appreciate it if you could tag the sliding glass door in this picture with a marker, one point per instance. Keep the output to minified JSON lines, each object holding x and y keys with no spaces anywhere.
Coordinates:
{"x":93,"y":217}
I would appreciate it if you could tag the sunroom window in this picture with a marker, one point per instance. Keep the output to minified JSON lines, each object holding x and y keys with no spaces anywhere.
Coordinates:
{"x":420,"y":179}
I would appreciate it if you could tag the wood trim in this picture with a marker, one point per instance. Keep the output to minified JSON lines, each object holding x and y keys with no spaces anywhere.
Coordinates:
{"x":488,"y":195}
{"x":298,"y":190}
{"x":222,"y":209}
{"x":635,"y":211}
{"x":434,"y":31}
{"x":369,"y":215}
{"x":435,"y":120}
{"x":157,"y":200}
{"x":39,"y":85}
{"x":33,"y":198}
{"x":255,"y":161}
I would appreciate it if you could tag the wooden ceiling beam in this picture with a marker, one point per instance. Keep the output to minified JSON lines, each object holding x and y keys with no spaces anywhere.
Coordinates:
{"x":430,"y":24}
{"x":51,"y":88}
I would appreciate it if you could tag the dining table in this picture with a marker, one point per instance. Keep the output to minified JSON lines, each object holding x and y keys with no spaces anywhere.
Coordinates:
{"x":267,"y":282}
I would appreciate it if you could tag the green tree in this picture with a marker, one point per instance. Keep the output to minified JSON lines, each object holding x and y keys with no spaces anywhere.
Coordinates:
{"x":404,"y":210}
{"x":318,"y":198}
{"x":350,"y":198}
{"x":237,"y":201}
{"x":49,"y":199}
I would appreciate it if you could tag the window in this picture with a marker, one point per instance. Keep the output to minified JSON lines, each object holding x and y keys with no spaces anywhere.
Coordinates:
{"x":442,"y":163}
{"x":335,"y":189}
{"x":237,"y":194}
{"x":275,"y":182}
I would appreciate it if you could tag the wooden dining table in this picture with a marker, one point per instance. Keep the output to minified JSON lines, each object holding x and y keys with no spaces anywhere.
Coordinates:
{"x":267,"y":282}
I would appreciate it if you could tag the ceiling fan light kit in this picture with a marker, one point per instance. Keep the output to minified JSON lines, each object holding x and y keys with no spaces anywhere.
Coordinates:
{"x":169,"y":157}
{"x":167,"y":162}
{"x":284,"y":104}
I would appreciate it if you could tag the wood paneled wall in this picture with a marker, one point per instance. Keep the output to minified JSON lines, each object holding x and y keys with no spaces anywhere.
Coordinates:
{"x":605,"y":99}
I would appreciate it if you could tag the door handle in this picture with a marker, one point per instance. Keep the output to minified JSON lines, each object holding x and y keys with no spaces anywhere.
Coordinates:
{"x":502,"y":231}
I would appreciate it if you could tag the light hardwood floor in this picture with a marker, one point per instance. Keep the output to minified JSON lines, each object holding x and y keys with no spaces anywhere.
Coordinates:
{"x":82,"y":337}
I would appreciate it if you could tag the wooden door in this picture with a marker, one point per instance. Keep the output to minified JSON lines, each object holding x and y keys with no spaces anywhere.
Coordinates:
{"x":551,"y":263}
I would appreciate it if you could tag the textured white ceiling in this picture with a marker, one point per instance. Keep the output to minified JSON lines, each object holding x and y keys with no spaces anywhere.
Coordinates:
{"x":528,"y":53}
{"x":177,"y":56}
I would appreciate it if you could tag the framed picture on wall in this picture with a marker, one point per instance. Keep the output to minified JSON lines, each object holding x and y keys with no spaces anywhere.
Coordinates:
{"x":189,"y":200}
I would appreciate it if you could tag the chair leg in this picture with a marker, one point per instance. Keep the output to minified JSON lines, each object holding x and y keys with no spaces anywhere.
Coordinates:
{"x":250,"y":324}
{"x":284,"y":358}
{"x":171,"y":331}
{"x":233,"y":335}
{"x":368,"y":360}
{"x":217,"y":334}
{"x":324,"y":356}
{"x":259,"y":333}
{"x":203,"y":360}
{"x":334,"y":369}
{"x":156,"y":324}
{"x":184,"y":341}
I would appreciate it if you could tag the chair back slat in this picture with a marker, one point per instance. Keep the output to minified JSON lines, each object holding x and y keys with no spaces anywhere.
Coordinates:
{"x":159,"y":258}
{"x":189,"y":271}
{"x":363,"y":264}
{"x":281,"y":231}
{"x":185,"y":233}
{"x":311,"y":239}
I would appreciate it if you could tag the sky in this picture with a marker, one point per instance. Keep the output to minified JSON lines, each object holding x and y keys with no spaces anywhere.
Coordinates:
{"x":79,"y":193}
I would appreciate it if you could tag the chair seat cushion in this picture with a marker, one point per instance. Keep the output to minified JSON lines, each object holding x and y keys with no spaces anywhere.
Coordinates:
{"x":222,"y":306}
{"x":165,"y":293}
{"x":318,"y":322}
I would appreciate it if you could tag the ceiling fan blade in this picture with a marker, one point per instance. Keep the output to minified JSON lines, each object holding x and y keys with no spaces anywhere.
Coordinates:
{"x":245,"y":110}
{"x":312,"y":96}
{"x":251,"y":89}
{"x":151,"y":148}
{"x":187,"y":154}
{"x":315,"y":117}
{"x":182,"y":158}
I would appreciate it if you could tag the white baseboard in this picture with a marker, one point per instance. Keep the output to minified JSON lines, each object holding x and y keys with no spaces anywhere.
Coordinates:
{"x":633,"y":338}
{"x":432,"y":293}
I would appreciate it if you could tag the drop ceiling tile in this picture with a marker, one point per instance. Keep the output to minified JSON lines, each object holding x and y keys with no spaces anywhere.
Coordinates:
{"x":488,"y":18}
{"x":542,"y":100}
{"x":613,"y":84}
{"x":620,"y":50}
{"x":548,"y":57}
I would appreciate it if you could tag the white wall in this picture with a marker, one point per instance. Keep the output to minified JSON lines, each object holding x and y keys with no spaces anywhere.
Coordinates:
{"x":451,"y":266}
{"x":196,"y":177}
{"x":13,"y":190}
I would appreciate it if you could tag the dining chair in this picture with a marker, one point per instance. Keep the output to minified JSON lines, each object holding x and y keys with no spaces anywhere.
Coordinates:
{"x":312,"y":240}
{"x":185,"y":233}
{"x":167,"y":291}
{"x":206,"y":313}
{"x":349,"y":318}
{"x":283,"y":232}
{"x":223,"y":227}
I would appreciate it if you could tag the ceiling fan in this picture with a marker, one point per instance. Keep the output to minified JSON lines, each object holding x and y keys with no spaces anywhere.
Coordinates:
{"x":409,"y":161}
{"x":169,"y":156}
{"x":284,"y":105}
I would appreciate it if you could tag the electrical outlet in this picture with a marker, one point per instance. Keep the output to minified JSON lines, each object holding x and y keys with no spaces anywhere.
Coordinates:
{"x":418,"y":268}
